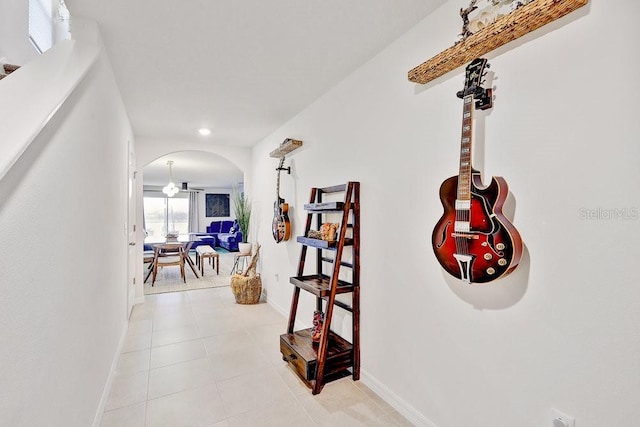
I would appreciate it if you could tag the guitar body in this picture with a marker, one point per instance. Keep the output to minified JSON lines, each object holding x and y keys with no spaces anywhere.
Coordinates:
{"x":281,"y":226}
{"x":491,"y":248}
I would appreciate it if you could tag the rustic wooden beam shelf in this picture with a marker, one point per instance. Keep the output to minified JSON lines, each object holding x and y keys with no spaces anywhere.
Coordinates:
{"x":287,"y":146}
{"x":505,"y":29}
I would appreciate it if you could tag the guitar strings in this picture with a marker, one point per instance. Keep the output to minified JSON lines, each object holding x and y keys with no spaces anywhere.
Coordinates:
{"x":462,"y":243}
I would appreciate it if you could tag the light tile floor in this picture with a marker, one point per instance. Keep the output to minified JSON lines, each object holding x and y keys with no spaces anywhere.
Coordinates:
{"x":197,"y":358}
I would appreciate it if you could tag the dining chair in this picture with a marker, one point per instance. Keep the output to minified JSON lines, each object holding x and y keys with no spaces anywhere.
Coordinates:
{"x":148,"y":257}
{"x":167,"y":255}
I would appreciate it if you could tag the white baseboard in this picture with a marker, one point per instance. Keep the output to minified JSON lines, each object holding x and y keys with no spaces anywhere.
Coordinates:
{"x":278,"y":308}
{"x":112,"y":372}
{"x":399,"y":404}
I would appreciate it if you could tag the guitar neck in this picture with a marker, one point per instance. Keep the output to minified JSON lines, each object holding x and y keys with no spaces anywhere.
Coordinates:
{"x":278,"y":181}
{"x":464,"y":173}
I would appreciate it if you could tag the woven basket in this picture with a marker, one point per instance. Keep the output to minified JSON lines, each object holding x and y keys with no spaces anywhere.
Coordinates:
{"x":246,"y":289}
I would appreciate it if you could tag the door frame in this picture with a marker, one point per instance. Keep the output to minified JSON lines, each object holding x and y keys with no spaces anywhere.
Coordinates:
{"x":132,"y":237}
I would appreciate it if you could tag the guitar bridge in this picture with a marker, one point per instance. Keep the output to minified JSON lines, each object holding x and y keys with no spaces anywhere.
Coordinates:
{"x":464,"y":263}
{"x":465,"y":235}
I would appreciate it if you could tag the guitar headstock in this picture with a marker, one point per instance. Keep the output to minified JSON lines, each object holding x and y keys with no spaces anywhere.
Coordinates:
{"x":473,"y":81}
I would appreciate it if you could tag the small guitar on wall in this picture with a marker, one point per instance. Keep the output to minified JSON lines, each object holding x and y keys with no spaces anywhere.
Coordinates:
{"x":281,"y":226}
{"x":473,"y":240}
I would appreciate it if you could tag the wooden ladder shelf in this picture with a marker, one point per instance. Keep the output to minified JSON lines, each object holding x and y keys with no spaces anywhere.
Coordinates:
{"x":333,"y":356}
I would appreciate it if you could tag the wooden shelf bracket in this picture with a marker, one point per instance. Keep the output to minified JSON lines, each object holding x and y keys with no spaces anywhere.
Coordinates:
{"x":507,"y":28}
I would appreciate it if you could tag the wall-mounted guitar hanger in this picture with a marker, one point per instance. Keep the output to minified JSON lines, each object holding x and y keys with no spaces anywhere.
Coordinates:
{"x":281,"y":226}
{"x":288,"y":169}
{"x":287,"y":146}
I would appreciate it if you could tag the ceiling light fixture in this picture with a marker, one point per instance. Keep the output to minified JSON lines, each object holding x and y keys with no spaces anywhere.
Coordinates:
{"x":204,"y":131}
{"x":170,"y":189}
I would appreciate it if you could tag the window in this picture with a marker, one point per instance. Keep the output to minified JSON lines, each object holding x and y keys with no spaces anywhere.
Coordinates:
{"x":41,"y":24}
{"x":48,"y":23}
{"x":162,"y":215}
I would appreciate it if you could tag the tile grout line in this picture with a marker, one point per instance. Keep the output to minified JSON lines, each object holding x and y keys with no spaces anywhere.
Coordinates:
{"x":207,"y":355}
{"x":146,"y":403}
{"x":251,"y":322}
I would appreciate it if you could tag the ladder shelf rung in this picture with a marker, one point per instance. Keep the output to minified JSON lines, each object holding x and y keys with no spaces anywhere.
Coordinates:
{"x":342,"y":263}
{"x":322,"y":244}
{"x":319,"y":285}
{"x":334,"y":188}
{"x":325,"y":207}
{"x":344,"y":306}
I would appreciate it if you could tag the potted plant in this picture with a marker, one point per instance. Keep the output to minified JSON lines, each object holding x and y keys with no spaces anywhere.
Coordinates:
{"x":242,"y":208}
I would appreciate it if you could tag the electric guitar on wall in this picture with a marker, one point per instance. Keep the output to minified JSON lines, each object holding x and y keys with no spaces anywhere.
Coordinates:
{"x":281,"y":226}
{"x":473,"y":240}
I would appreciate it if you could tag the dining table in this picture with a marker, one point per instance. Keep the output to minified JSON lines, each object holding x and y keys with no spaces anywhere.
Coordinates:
{"x":163,"y":243}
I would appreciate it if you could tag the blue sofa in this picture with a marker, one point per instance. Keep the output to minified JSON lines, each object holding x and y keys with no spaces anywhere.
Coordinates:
{"x":219,"y":227}
{"x":226,"y":233}
{"x":230,"y":241}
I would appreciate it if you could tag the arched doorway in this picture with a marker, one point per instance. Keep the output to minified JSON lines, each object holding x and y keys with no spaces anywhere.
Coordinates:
{"x":198,"y":175}
{"x":214,"y":169}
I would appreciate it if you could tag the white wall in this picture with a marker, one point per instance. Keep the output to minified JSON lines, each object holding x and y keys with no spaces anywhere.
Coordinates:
{"x":562,"y":330}
{"x":14,"y":33}
{"x":63,"y":259}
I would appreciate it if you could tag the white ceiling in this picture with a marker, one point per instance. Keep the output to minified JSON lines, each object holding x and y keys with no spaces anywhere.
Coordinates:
{"x":243,"y":67}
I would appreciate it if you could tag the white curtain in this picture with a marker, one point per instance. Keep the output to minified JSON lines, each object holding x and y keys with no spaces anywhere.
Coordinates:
{"x":194,"y":213}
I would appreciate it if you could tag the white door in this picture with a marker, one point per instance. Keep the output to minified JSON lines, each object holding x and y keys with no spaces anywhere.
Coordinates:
{"x":131,"y":228}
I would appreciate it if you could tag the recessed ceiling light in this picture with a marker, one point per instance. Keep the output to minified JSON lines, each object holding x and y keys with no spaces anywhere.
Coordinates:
{"x":204,"y":131}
